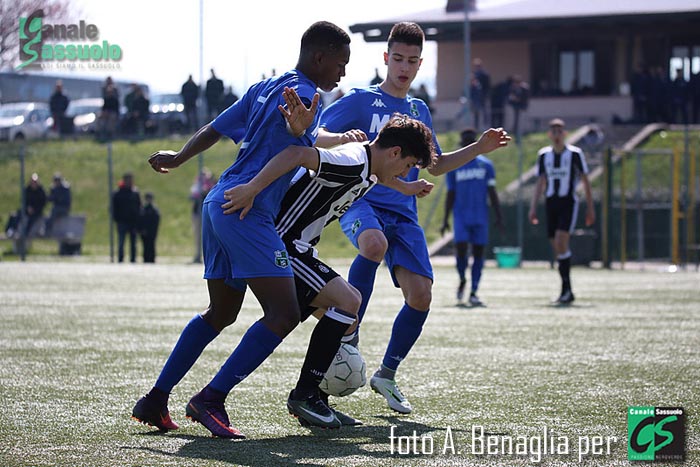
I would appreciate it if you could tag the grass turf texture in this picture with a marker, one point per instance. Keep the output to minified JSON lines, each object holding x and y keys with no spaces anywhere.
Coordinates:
{"x":81,"y":342}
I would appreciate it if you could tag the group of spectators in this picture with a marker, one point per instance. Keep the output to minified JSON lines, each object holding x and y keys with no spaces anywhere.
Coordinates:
{"x":135,"y":219}
{"x":215,"y":97}
{"x":657,"y":98}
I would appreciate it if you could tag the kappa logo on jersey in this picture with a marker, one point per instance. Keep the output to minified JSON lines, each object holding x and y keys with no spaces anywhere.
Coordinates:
{"x":414,"y":110}
{"x":378,"y":103}
{"x":281,"y":258}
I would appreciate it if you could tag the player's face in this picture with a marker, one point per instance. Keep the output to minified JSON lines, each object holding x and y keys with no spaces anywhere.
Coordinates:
{"x":557,"y":135}
{"x":399,"y":166}
{"x":403,"y":62}
{"x":332,"y":68}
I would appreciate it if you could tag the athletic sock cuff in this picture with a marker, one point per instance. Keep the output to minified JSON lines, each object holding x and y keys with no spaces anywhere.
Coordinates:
{"x":339,"y":315}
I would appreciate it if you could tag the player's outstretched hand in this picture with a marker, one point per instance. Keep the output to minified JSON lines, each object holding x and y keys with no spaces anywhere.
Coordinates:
{"x":298,"y":116}
{"x":161,"y":161}
{"x":492,"y":139}
{"x":353,"y":136}
{"x":239,"y":197}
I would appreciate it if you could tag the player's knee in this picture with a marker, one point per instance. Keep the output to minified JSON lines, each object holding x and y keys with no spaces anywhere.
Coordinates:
{"x":373,"y":245}
{"x":219,"y":319}
{"x":420,"y":298}
{"x":352,"y":300}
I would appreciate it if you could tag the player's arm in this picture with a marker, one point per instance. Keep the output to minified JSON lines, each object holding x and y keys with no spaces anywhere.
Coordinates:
{"x":496,"y":205}
{"x":328,"y":139}
{"x":205,"y":138}
{"x":449,"y":204}
{"x":590,"y":211}
{"x":490,"y":140}
{"x":539,"y":189}
{"x":419,"y":188}
{"x":241,"y":197}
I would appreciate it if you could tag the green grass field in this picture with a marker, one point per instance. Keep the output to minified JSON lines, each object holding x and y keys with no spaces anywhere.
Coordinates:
{"x":81,"y":341}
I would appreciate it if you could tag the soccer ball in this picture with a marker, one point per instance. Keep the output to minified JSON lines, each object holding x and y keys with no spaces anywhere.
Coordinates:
{"x":346,"y":373}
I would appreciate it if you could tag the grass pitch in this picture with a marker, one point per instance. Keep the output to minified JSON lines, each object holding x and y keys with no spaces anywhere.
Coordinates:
{"x":81,"y":342}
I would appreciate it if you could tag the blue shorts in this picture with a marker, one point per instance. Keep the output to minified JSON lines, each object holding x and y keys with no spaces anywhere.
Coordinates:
{"x":476,"y":234}
{"x":408,"y":247}
{"x":236,"y":249}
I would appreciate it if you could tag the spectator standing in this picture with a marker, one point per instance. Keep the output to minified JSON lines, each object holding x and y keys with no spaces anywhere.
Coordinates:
{"x":639,"y":88}
{"x":476,"y":96}
{"x":109,"y":118}
{"x":377,"y":79}
{"x":228,"y":99}
{"x":126,"y":212}
{"x":35,"y":201}
{"x":518,"y":99}
{"x":499,"y":96}
{"x":214,"y":93}
{"x":190,"y":93}
{"x":694,"y":90}
{"x":60,"y":197}
{"x":484,"y":79}
{"x":150,"y":219}
{"x":58,"y":104}
{"x":423,"y":94}
{"x":139,"y":112}
{"x":679,"y":98}
{"x":203,"y":183}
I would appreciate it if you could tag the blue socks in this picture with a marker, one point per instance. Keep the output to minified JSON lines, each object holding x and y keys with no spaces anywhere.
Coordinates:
{"x":477,"y":266}
{"x":407,"y":328}
{"x":256,"y":345}
{"x":194,"y":338}
{"x":461,"y":267}
{"x":361,"y":276}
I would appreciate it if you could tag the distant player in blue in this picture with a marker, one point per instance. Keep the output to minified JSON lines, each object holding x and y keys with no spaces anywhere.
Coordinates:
{"x":469,"y":189}
{"x":384,"y":224}
{"x":247,"y":252}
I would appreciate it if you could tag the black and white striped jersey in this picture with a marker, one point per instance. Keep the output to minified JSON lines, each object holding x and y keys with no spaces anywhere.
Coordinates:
{"x":315,"y":199}
{"x":562,"y":171}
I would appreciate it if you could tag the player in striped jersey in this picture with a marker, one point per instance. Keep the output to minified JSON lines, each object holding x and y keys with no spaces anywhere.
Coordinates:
{"x":330,"y":181}
{"x":559,"y":169}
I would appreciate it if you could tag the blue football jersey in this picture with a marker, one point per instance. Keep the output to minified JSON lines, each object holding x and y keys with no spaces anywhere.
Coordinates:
{"x":256,"y":122}
{"x":369,"y":109}
{"x":470,"y":184}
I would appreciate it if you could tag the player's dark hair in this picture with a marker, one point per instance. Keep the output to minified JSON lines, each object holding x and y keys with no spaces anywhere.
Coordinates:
{"x":323,"y":36}
{"x":467,"y":136}
{"x":413,"y":137}
{"x":406,"y":33}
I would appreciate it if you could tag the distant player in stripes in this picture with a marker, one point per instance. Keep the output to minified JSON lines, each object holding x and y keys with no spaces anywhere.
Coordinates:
{"x":469,"y":190}
{"x":384,"y":224}
{"x":328,"y":184}
{"x":240,"y":253}
{"x":559,"y":169}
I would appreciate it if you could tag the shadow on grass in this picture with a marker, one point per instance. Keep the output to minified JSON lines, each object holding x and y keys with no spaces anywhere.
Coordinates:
{"x":299,"y":450}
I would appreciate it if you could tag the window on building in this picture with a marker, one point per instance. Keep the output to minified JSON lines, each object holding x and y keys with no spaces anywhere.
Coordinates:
{"x":685,"y":58}
{"x":576,"y":71}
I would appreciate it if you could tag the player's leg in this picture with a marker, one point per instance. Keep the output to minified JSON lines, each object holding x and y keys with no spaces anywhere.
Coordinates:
{"x":225,"y":299}
{"x":409,"y":262}
{"x":461,"y":249}
{"x":277,"y":297}
{"x":567,"y":212}
{"x":364,"y":229}
{"x":477,"y":268}
{"x":478,"y":237}
{"x":257,"y":254}
{"x":319,"y":287}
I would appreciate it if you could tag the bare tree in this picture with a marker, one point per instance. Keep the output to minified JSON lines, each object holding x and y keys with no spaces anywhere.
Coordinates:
{"x":55,"y":11}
